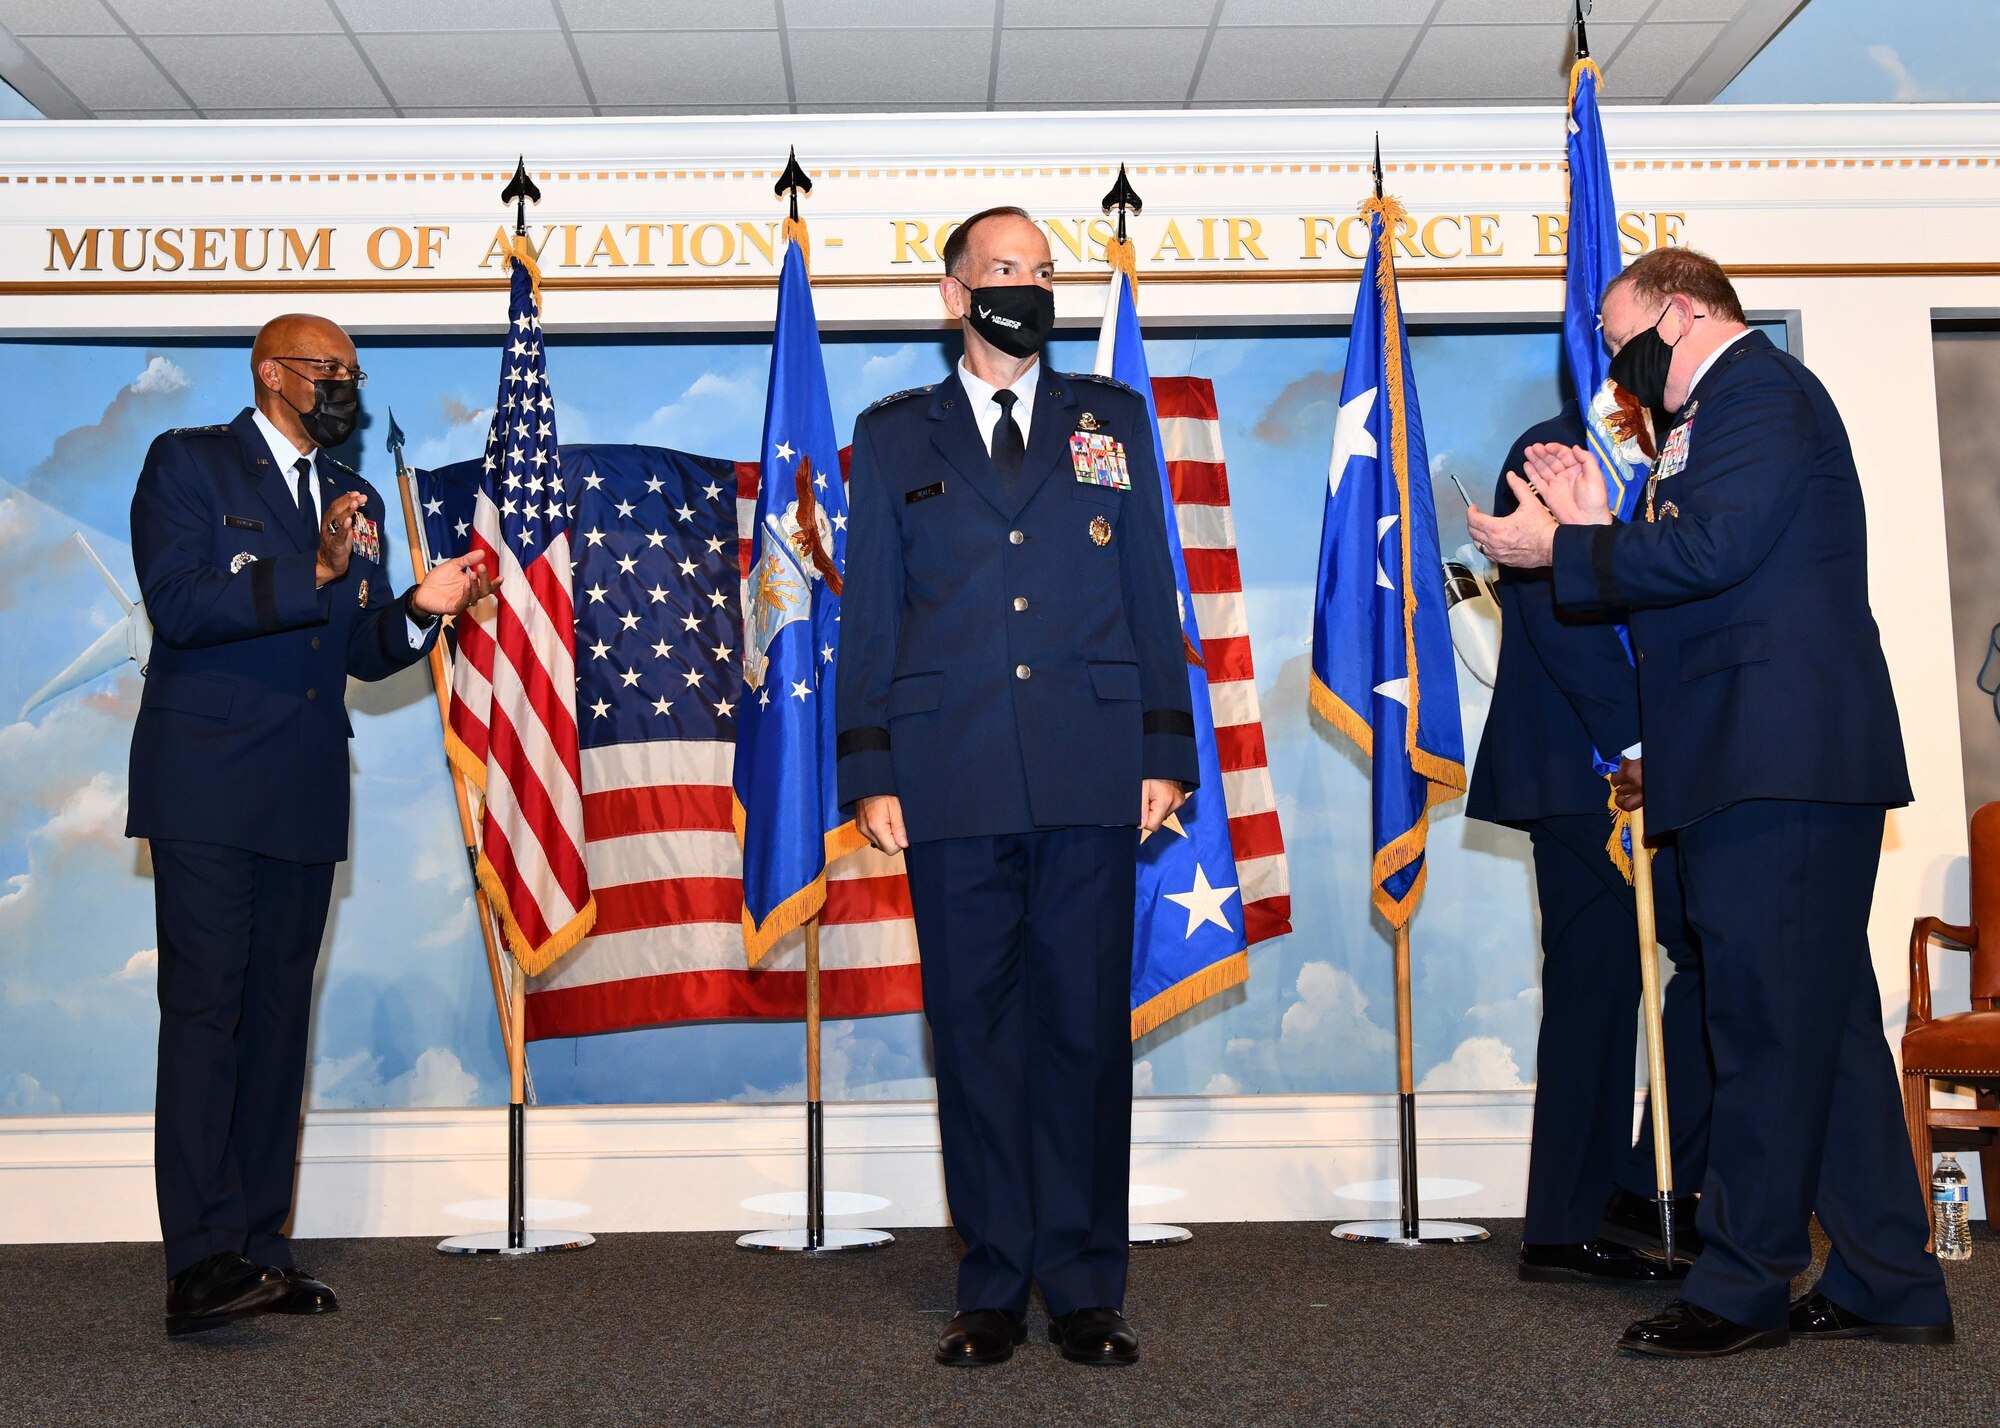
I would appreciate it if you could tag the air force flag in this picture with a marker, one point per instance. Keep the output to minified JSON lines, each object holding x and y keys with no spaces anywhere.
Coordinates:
{"x":1382,"y":660}
{"x":787,"y":811}
{"x":1188,"y":934}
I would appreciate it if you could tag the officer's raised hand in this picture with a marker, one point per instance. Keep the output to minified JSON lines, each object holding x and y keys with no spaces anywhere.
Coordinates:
{"x":336,"y":536}
{"x":1157,"y":802}
{"x":453,"y":584}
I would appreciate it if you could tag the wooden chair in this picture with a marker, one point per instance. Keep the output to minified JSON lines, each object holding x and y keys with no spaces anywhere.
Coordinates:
{"x":1964,"y":1047}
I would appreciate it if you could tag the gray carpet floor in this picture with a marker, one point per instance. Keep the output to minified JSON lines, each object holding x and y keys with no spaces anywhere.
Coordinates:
{"x":1248,"y":1324}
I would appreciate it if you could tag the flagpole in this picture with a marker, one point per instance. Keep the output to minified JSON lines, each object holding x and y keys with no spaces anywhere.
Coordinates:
{"x":815,"y":1238}
{"x":1656,"y":1054}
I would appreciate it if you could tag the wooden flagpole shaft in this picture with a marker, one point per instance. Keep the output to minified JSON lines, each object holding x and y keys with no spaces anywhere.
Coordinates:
{"x":1649,"y":1004}
{"x":815,"y":1146}
{"x":441,"y":686}
{"x":1406,"y":1088}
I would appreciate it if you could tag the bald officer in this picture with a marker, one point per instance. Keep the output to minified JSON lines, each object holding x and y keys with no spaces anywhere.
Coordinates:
{"x":1013,"y":708}
{"x":263,"y":565}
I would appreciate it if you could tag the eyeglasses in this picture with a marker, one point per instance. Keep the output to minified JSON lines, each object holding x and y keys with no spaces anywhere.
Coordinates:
{"x":325,"y":369}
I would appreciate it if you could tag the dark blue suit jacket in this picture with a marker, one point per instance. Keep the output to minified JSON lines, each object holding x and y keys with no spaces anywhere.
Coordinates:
{"x":1001,"y":669}
{"x":1760,"y":667}
{"x":242,"y":732}
{"x":1565,"y":684}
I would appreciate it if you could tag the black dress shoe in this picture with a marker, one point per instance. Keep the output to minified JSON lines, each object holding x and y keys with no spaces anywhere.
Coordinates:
{"x":1688,"y":1331}
{"x":975,"y":1337}
{"x":221,"y":1288}
{"x":304,"y":1295}
{"x":1634,"y":1221}
{"x":1598,"y":1262}
{"x":1814,"y":1316}
{"x":1095,"y":1336}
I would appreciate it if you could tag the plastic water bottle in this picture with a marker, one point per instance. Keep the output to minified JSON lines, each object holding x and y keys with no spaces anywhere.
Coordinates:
{"x":1951,"y":1211}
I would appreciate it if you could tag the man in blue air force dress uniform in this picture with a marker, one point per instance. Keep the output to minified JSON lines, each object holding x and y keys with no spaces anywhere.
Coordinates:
{"x":1565,"y":688}
{"x":1773,"y":748}
{"x":1013,"y":708}
{"x":264,"y":573}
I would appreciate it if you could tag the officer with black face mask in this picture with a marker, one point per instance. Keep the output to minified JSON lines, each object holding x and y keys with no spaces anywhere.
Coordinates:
{"x":266,"y":579}
{"x":1013,"y":712}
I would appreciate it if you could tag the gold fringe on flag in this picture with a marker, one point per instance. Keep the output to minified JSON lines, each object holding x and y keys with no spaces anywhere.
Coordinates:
{"x":802,"y":906}
{"x":1220,"y":976}
{"x":795,"y":232}
{"x":534,"y":959}
{"x":1621,"y":827}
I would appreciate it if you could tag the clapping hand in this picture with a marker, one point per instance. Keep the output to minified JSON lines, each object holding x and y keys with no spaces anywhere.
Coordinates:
{"x":1563,"y":487}
{"x":453,"y":585}
{"x":336,"y":537}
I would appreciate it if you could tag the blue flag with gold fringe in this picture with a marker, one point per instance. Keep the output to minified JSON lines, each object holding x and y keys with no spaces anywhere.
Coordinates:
{"x":1382,"y":657}
{"x":787,"y":810}
{"x":1188,"y":938}
{"x":1593,"y":260}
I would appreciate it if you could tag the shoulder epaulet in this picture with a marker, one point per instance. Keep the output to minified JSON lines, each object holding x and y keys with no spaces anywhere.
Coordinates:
{"x":1107,"y":381}
{"x":341,"y":466}
{"x":898,"y":396}
{"x":217,"y":430}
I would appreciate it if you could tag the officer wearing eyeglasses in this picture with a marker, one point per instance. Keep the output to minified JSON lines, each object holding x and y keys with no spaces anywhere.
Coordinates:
{"x":265,"y":575}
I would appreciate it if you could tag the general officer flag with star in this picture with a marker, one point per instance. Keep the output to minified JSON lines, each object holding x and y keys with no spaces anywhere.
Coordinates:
{"x":1188,"y":933}
{"x":1382,"y":658}
{"x":786,"y":805}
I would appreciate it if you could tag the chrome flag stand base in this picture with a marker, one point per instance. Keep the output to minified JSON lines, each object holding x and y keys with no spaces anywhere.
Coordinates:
{"x":1395,"y":1232}
{"x":532,"y":1242}
{"x":1140,"y":1235}
{"x":830,"y":1241}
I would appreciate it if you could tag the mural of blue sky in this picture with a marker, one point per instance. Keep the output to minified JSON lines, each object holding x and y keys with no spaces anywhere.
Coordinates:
{"x":404,"y":1016}
{"x":1877,"y":52}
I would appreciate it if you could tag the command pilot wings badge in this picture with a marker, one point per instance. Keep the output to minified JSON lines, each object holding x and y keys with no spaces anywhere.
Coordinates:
{"x":794,"y":555}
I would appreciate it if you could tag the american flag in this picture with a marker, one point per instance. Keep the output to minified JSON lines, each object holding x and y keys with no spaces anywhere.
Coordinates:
{"x":660,"y":841}
{"x":513,"y":705}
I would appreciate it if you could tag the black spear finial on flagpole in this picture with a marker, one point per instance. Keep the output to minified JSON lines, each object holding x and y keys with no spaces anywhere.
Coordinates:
{"x":792,"y":182}
{"x":1378,"y":163}
{"x":1125,"y":199}
{"x":1582,"y":40}
{"x":520,"y":192}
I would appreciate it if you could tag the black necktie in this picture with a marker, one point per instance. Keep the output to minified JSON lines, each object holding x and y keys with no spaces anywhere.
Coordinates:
{"x":308,"y":512}
{"x":1007,"y":444}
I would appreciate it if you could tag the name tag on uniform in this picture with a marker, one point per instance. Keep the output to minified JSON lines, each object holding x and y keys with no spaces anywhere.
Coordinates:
{"x":367,"y":539}
{"x":242,"y":523}
{"x":1099,"y":459}
{"x":923,"y":493}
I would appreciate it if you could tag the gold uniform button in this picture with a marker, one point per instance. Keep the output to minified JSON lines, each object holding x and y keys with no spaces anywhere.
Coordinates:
{"x":1015,"y":537}
{"x":312,"y":694}
{"x":315,"y":641}
{"x":1021,"y":671}
{"x":1020,"y":602}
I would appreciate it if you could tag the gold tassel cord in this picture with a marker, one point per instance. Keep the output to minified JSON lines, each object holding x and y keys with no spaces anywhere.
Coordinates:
{"x":1621,"y":828}
{"x":795,"y":232}
{"x":524,"y":254}
{"x":1123,"y":256}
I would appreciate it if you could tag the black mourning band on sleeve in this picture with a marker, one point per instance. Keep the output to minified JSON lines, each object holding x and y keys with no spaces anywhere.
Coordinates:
{"x":264,"y":595}
{"x":1168,"y":721}
{"x":861,"y":741}
{"x":1600,"y":564}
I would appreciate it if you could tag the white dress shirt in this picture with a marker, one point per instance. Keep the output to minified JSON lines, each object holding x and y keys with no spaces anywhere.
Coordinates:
{"x":286,"y":455}
{"x":986,"y":411}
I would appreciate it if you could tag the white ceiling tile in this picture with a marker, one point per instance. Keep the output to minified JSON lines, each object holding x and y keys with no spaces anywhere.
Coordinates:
{"x":1325,"y":66}
{"x":531,"y":67}
{"x":491,"y":111}
{"x":1552,"y":12}
{"x":1068,"y":14}
{"x":57,"y":17}
{"x":316,"y":112}
{"x":688,"y":110}
{"x":1484,"y":63}
{"x":225,"y":17}
{"x":1077,"y":67}
{"x":267,"y":71}
{"x":1671,"y":10}
{"x":1326,"y":12}
{"x":1657,"y":57}
{"x":460,"y":16}
{"x":102,"y":72}
{"x":890,"y":66}
{"x":929,"y":108}
{"x":670,"y":14}
{"x":135,"y":114}
{"x":893,"y":14}
{"x":690,"y":67}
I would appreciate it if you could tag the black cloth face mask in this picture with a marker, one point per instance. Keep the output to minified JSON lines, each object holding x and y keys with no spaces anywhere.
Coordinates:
{"x":1017,"y":319}
{"x":335,"y":411}
{"x":1641,"y":368}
